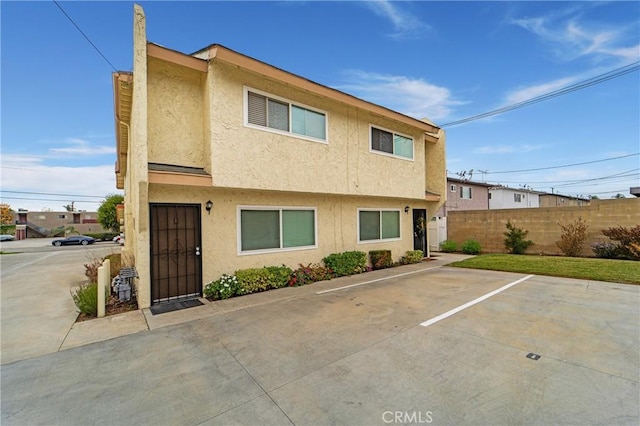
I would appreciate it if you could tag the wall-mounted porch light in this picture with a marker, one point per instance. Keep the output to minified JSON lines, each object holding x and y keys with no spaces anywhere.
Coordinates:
{"x":208,"y":206}
{"x":406,"y":209}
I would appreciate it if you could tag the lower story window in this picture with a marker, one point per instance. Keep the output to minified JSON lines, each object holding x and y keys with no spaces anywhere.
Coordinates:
{"x":378,"y":225}
{"x":272,"y":229}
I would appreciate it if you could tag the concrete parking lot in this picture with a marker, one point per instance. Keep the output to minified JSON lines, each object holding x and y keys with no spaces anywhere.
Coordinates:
{"x":387,"y":347}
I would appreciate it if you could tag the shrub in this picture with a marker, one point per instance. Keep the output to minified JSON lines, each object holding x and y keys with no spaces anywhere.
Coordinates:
{"x":628,"y":240}
{"x":86,"y":299}
{"x":606,"y":250}
{"x":227,"y":286}
{"x":280,"y":275}
{"x":448,"y":246}
{"x":515,"y":239}
{"x":412,"y":256}
{"x":573,"y":237}
{"x":471,"y":247}
{"x":91,"y":269}
{"x":254,"y":280}
{"x":346,"y":263}
{"x":380,"y":259}
{"x":309,"y":274}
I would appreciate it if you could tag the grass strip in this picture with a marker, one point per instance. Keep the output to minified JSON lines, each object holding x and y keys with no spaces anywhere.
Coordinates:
{"x":616,"y":271}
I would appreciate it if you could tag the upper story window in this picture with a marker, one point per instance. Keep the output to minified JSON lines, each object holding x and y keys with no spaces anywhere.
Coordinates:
{"x":452,"y":188}
{"x":282,"y":116}
{"x":517,"y":198}
{"x":465,"y":192}
{"x":388,"y":142}
{"x":62,"y":216}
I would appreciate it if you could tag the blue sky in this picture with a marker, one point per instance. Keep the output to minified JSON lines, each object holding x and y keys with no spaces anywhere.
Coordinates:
{"x":443,"y":60}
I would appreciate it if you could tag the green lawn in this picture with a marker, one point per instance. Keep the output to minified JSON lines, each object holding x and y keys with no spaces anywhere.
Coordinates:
{"x":618,"y":271}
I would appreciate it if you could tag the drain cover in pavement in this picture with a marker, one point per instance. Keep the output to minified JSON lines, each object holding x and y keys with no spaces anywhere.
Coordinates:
{"x":174,"y":306}
{"x":533,"y":356}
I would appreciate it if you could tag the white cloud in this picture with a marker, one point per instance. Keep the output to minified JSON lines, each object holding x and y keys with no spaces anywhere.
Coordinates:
{"x":83,"y":147}
{"x":571,"y":39}
{"x":525,"y":93}
{"x":507,"y":149}
{"x":405,"y":25}
{"x":413,"y":97}
{"x":26,"y":173}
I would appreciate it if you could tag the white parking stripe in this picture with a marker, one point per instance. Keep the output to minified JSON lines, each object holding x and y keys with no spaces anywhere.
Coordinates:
{"x":375,"y":281}
{"x":473,"y":302}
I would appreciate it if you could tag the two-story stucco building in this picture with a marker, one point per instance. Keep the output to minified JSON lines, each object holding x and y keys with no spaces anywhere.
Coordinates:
{"x":229,"y":163}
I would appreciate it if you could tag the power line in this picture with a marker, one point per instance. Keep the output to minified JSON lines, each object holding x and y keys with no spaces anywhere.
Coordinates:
{"x":50,"y":193}
{"x":628,"y":173}
{"x":618,"y":72}
{"x":47,"y":199}
{"x":85,"y":36}
{"x":566,"y":165}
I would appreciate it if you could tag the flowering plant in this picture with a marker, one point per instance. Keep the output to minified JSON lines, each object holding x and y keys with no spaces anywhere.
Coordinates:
{"x":227,"y":286}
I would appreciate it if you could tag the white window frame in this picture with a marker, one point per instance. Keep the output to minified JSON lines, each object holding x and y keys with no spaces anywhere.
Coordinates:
{"x":290,"y":103}
{"x":453,"y":188}
{"x":517,"y":197}
{"x":240,"y":208}
{"x":386,"y":154}
{"x":368,"y":209}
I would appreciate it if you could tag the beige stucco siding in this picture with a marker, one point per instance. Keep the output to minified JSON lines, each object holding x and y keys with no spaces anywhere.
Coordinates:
{"x":246,"y":157}
{"x":176,"y":115}
{"x":337,"y":219}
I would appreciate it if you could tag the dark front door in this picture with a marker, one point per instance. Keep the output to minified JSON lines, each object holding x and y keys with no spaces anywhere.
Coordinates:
{"x":176,"y":268}
{"x":420,"y":230}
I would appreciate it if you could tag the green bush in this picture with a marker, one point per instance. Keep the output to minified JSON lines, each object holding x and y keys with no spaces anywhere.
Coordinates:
{"x":86,"y":299}
{"x":227,"y":286}
{"x":309,"y":274}
{"x":346,"y":263}
{"x":448,"y":246}
{"x":254,"y":280}
{"x":572,"y":237}
{"x":380,"y":259}
{"x":412,"y":256}
{"x":471,"y":247}
{"x":280,"y":275}
{"x":515,"y":239}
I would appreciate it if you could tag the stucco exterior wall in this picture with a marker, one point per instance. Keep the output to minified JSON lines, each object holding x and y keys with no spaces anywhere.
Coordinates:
{"x":479,"y":198}
{"x":337,"y":218}
{"x":554,"y":200}
{"x":176,"y":114}
{"x":488,"y":226}
{"x":245,"y":157}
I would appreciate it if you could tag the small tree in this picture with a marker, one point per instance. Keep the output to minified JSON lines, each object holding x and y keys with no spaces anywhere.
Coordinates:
{"x":515,"y":239}
{"x":627,"y":240}
{"x":6,"y":214}
{"x":573,"y":237}
{"x":107,"y":212}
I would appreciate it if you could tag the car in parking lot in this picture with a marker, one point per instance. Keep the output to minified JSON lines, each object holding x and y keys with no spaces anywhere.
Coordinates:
{"x":5,"y":237}
{"x":74,"y":240}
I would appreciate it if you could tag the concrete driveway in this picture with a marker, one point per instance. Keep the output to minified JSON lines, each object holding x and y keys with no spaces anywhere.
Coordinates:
{"x":36,"y":308}
{"x":413,"y":345}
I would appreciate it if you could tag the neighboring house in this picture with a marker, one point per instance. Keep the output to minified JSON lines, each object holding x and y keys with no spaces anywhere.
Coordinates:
{"x":46,"y":224}
{"x":465,"y":195}
{"x":502,"y":197}
{"x":230,"y":163}
{"x":557,"y":200}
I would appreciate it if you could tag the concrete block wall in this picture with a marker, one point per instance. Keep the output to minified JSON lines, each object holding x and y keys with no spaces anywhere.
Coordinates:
{"x":488,"y":226}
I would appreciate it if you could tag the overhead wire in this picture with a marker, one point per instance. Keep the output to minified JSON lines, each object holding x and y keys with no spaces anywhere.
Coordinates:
{"x":565,"y":165}
{"x":85,"y":36}
{"x":618,"y":72}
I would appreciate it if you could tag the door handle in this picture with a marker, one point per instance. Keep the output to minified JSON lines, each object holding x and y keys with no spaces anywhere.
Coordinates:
{"x":197,"y":251}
